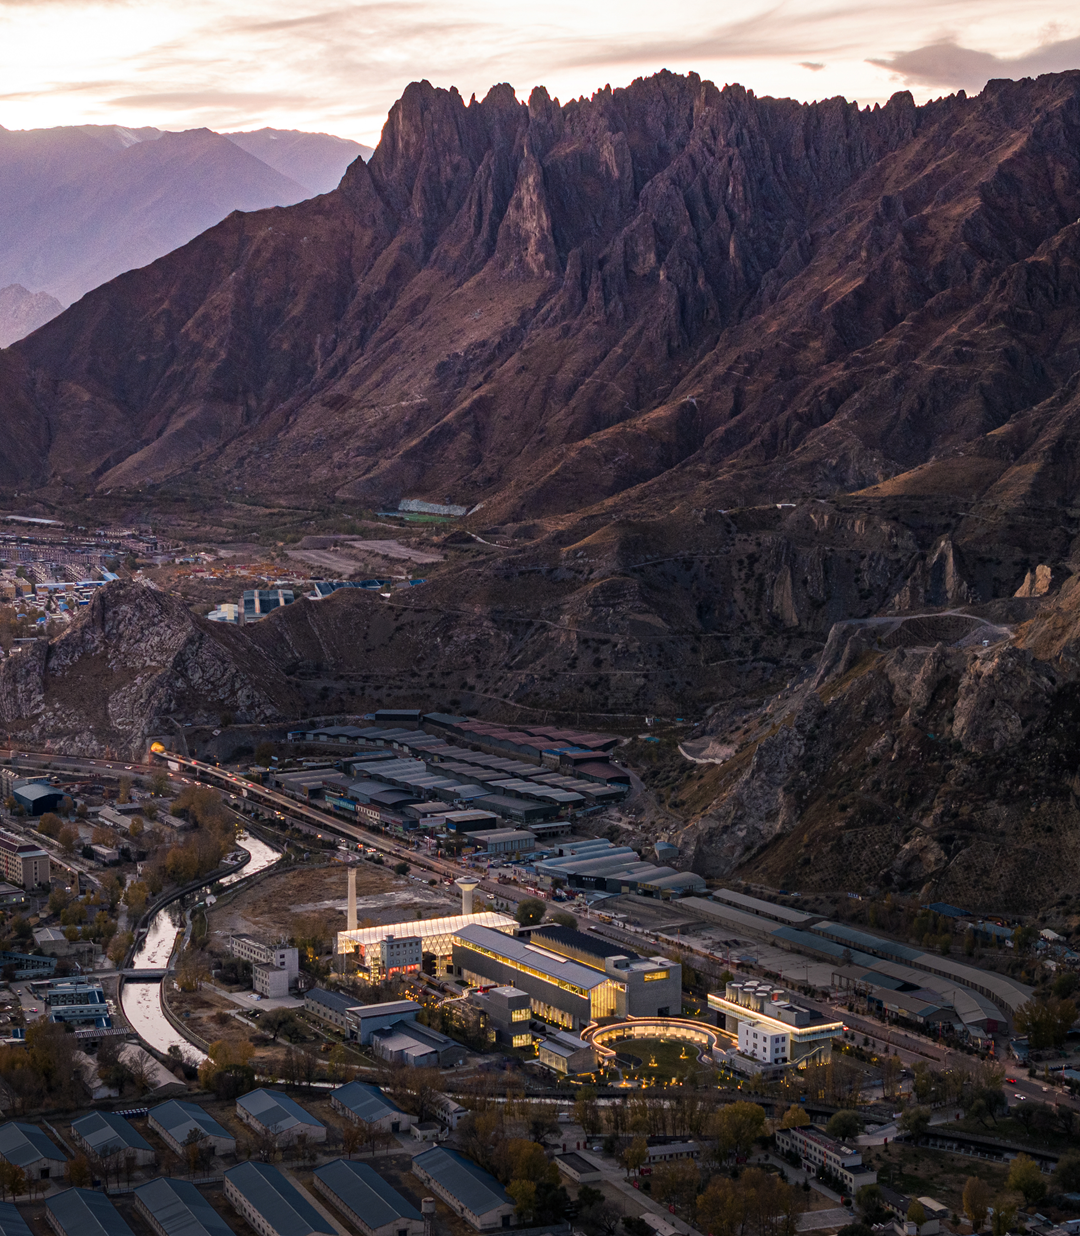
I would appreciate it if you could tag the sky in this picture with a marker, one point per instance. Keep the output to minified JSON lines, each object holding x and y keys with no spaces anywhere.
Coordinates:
{"x":336,"y":66}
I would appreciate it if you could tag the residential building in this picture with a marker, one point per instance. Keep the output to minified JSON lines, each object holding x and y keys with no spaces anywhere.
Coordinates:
{"x":898,"y":1204}
{"x":469,"y":1191}
{"x":274,"y":1207}
{"x":270,"y":981}
{"x":104,"y":1133}
{"x":26,"y":1146}
{"x":258,"y":953}
{"x":332,"y":1007}
{"x":176,"y":1208}
{"x":23,"y":862}
{"x":819,"y":1153}
{"x":271,"y":1112}
{"x":563,"y":990}
{"x":363,"y":1103}
{"x":175,"y":1120}
{"x":671,"y":1152}
{"x":506,"y":1014}
{"x":449,"y":1110}
{"x":371,"y":1205}
{"x":566,"y":1053}
{"x":84,"y":1212}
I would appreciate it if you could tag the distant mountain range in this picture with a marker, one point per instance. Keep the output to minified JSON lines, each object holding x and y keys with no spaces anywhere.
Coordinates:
{"x":82,"y":204}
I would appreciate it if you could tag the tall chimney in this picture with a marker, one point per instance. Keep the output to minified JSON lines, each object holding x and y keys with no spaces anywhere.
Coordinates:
{"x":351,"y":920}
{"x":427,"y":1210}
{"x":468,"y":886}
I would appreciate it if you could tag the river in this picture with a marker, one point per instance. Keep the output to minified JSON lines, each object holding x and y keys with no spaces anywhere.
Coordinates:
{"x":141,"y":999}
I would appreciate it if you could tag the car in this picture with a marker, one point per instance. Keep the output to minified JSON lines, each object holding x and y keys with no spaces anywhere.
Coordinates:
{"x":1021,"y":1097}
{"x":33,"y":1010}
{"x":1010,"y":1081}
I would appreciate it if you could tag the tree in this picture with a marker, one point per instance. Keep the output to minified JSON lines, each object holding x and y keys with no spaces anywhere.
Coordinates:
{"x":136,"y":827}
{"x":351,"y":1139}
{"x":524,"y":1194}
{"x":721,"y":1209}
{"x":916,"y":1213}
{"x":915,"y":1121}
{"x":136,"y":896}
{"x":123,"y":794}
{"x":635,"y":1155}
{"x":564,"y":919}
{"x":1004,"y":1217}
{"x":68,"y":839}
{"x":191,"y":1148}
{"x":677,"y":1182}
{"x":1046,"y":1021}
{"x":868,"y":1200}
{"x":50,"y":825}
{"x":795,"y":1118}
{"x":529,"y":912}
{"x":1026,"y":1177}
{"x":586,"y":1111}
{"x":844,"y":1125}
{"x":12,"y":1180}
{"x":1067,"y":1176}
{"x":976,"y":1201}
{"x":736,"y":1127}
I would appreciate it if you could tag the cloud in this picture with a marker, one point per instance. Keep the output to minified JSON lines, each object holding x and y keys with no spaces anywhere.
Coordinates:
{"x":814,"y":66}
{"x":949,"y":65}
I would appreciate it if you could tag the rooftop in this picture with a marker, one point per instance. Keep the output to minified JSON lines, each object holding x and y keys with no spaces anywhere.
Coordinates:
{"x":11,"y":1222}
{"x":476,"y":1190}
{"x":24,"y":1144}
{"x":365,"y":1192}
{"x":539,"y":960}
{"x":105,"y":1131}
{"x":275,"y":1111}
{"x":85,"y":1212}
{"x":178,"y":1118}
{"x":365,"y":1101}
{"x":266,"y":1190}
{"x":331,"y":999}
{"x":181,"y":1209}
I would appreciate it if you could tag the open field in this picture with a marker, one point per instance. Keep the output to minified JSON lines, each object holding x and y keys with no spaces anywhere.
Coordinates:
{"x":269,"y":909}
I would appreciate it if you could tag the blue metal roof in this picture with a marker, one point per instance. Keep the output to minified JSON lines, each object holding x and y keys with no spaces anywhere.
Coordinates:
{"x":179,"y":1118}
{"x":365,"y":1193}
{"x":285,"y":1210}
{"x":366,"y":1102}
{"x":105,"y":1132}
{"x":181,"y":1209}
{"x":275,"y":1111}
{"x":84,"y":1212}
{"x":864,"y":940}
{"x":476,"y":1190}
{"x":24,"y":1144}
{"x":11,"y":1222}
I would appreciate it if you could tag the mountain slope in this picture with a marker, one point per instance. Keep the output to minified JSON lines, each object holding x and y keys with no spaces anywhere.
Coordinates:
{"x":315,"y":160}
{"x":665,"y":294}
{"x":85,"y":203}
{"x":22,"y":312}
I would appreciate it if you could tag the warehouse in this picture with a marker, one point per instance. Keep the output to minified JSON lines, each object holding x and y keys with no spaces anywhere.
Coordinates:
{"x":523,"y":811}
{"x":176,"y":1208}
{"x":84,"y":1212}
{"x":503,"y":840}
{"x":11,"y":1222}
{"x":566,"y":1053}
{"x":329,"y":1006}
{"x":365,"y":1019}
{"x":468,"y":1190}
{"x":418,"y":1046}
{"x":366,"y":1200}
{"x":26,"y":1146}
{"x":363,"y":1103}
{"x":261,"y":1194}
{"x":271,"y":1112}
{"x":564,"y":986}
{"x":175,"y":1120}
{"x":105,"y":1133}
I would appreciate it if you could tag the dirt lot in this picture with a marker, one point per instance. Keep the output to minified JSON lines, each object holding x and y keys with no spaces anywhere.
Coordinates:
{"x":919,"y":1171}
{"x":268,"y":909}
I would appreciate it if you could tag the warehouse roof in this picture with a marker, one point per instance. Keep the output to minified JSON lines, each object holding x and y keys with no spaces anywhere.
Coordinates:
{"x":180,"y":1209}
{"x":286,"y":1211}
{"x":180,"y":1118}
{"x":476,"y":1190}
{"x":84,"y":1212}
{"x":104,"y":1132}
{"x":275,"y":1111}
{"x":365,"y":1192}
{"x":331,"y":999}
{"x":366,"y":1102}
{"x":11,"y":1222}
{"x":24,"y":1144}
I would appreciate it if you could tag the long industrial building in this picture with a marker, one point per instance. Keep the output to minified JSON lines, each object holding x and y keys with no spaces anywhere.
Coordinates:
{"x":571,"y":978}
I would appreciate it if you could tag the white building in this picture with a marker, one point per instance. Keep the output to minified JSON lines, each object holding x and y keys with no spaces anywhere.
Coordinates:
{"x":770,"y":1029}
{"x":820,"y":1153}
{"x":281,"y":957}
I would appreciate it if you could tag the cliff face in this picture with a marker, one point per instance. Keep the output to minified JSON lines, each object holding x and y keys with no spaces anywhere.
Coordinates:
{"x":134,"y":663}
{"x":668,"y":293}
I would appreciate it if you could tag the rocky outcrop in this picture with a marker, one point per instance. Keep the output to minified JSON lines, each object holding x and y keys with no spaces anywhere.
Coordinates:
{"x":666,"y":294}
{"x":135,"y":663}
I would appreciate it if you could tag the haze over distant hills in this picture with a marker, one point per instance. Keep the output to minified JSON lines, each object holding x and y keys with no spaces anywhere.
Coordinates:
{"x":82,"y":204}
